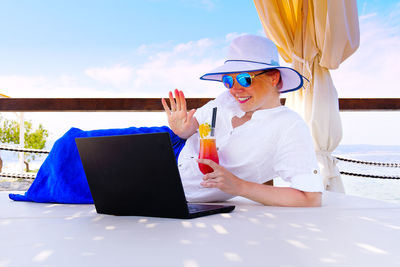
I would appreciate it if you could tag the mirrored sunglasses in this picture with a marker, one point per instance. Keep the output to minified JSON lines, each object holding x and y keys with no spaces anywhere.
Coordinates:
{"x":244,"y":79}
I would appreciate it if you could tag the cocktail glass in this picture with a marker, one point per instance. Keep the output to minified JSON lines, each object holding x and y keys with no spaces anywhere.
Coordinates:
{"x":208,"y":150}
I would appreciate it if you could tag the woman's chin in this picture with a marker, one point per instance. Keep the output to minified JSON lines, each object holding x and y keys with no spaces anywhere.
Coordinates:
{"x":245,"y":108}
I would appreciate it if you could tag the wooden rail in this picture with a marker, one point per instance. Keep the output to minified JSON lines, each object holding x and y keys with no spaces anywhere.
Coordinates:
{"x":154,"y":104}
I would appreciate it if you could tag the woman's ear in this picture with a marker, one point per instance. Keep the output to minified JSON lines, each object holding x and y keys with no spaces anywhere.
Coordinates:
{"x":276,"y":79}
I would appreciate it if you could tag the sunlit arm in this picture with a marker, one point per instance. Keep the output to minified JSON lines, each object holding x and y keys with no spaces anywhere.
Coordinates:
{"x":279,"y":196}
{"x":226,"y":181}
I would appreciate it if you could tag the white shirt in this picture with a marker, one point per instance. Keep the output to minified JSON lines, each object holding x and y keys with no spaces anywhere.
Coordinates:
{"x":274,"y":143}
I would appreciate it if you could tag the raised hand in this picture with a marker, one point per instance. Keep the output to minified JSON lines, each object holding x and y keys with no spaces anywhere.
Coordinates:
{"x":181,"y":122}
{"x":222,"y":179}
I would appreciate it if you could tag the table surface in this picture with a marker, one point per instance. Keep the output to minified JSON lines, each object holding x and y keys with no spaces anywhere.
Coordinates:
{"x":345,"y":231}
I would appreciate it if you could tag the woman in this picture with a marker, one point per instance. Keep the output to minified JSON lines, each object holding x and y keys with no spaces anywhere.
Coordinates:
{"x":257,"y":138}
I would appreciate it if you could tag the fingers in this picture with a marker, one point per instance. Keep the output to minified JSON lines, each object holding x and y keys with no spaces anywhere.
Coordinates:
{"x":172,"y":101}
{"x":222,"y":179}
{"x":210,"y":176}
{"x":209,"y":184}
{"x":178,"y":100}
{"x":183,"y":100}
{"x":179,"y":103}
{"x":209,"y":162}
{"x":212,"y":180}
{"x":166,"y":108}
{"x":215,"y":178}
{"x":191,"y":114}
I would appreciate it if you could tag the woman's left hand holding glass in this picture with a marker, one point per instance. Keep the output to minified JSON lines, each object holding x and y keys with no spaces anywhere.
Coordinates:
{"x":222,"y":179}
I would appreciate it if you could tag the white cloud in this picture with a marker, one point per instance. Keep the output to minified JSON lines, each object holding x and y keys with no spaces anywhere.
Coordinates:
{"x":192,"y":45}
{"x":367,"y":16}
{"x":372,"y":71}
{"x":165,"y":68}
{"x":18,"y":86}
{"x":204,"y":4}
{"x":115,"y":75}
{"x":149,"y":48}
{"x":180,"y":67}
{"x":24,"y":86}
{"x":230,"y":36}
{"x":162,"y":68}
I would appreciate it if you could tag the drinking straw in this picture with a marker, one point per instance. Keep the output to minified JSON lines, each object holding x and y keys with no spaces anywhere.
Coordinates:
{"x":213,"y":120}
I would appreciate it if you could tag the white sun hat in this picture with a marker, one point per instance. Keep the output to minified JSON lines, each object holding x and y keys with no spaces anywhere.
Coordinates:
{"x":253,"y":53}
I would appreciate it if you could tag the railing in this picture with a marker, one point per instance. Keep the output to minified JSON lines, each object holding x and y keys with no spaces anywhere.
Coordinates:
{"x":154,"y":104}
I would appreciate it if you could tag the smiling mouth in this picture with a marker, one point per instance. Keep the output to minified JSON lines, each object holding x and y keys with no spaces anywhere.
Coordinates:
{"x":243,"y":99}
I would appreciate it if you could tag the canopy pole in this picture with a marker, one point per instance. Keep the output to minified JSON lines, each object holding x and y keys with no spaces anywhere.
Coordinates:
{"x":21,"y":141}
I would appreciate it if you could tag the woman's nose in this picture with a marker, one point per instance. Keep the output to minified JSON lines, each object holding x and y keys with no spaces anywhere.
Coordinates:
{"x":236,"y":88}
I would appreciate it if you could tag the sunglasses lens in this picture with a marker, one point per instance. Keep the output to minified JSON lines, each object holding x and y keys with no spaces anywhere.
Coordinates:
{"x":244,"y":79}
{"x":228,"y":81}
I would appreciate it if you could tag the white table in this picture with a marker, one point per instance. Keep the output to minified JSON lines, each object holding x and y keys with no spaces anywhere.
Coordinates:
{"x":346,"y":231}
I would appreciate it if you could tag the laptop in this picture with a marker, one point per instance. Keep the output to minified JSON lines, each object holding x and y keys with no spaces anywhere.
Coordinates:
{"x":138,"y":175}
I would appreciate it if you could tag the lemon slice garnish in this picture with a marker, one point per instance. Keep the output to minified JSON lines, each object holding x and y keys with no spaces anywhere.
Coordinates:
{"x":204,"y":130}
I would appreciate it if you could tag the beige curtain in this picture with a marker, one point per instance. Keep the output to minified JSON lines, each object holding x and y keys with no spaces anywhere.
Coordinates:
{"x":315,"y":36}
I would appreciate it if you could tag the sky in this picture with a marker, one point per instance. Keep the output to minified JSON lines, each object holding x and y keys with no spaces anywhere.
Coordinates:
{"x":116,"y":48}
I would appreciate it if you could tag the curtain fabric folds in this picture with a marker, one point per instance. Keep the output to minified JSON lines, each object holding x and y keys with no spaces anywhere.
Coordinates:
{"x":315,"y":36}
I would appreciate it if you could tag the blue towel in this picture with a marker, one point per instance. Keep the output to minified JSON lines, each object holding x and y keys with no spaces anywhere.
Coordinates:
{"x":61,"y":178}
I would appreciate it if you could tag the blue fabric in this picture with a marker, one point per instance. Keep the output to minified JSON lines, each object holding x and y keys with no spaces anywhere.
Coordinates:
{"x":61,"y":178}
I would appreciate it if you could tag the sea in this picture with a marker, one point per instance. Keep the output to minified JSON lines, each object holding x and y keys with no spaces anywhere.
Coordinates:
{"x":387,"y":189}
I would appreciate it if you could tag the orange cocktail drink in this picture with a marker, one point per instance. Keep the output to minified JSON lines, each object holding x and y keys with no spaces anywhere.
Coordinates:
{"x":208,"y":150}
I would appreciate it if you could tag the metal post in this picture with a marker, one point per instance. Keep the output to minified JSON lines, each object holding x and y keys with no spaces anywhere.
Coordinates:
{"x":21,"y":142}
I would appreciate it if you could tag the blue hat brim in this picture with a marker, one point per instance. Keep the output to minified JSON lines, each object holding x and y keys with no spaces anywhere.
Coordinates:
{"x":291,"y":79}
